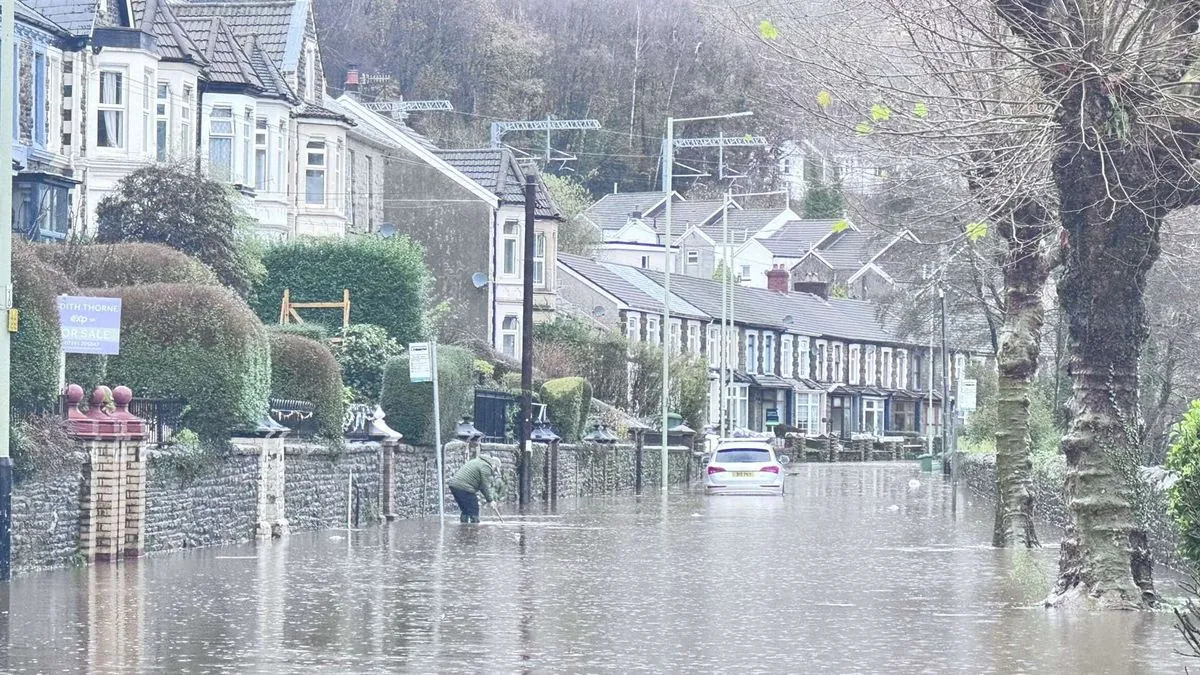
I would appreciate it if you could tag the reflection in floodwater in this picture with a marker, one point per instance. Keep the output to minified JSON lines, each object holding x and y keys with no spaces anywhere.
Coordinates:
{"x":854,"y":570}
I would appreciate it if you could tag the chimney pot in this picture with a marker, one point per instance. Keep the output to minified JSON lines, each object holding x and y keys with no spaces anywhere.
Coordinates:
{"x":777,"y":279}
{"x":352,"y":78}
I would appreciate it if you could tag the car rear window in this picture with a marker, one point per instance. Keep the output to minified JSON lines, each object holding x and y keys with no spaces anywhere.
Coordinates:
{"x":743,"y":456}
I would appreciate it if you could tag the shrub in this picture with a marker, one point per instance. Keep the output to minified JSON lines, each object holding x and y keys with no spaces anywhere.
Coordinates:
{"x":362,"y":353}
{"x":40,"y":445}
{"x":312,"y":331}
{"x":1184,"y":495}
{"x":199,"y":343}
{"x":409,"y":405}
{"x":570,"y":401}
{"x":387,"y":278}
{"x":303,"y":369}
{"x":35,"y":346}
{"x":566,"y":347}
{"x":688,"y":395}
{"x":174,"y":205}
{"x":129,"y":264}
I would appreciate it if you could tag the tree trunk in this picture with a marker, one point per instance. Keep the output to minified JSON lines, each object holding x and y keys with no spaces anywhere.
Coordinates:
{"x":1025,"y":272}
{"x":1112,"y":223}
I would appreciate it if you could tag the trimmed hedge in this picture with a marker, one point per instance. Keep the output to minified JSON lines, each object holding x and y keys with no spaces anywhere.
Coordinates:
{"x":362,"y":353}
{"x":570,"y":401}
{"x":199,"y":343}
{"x":312,"y":331}
{"x":303,"y":369}
{"x":409,"y":405}
{"x":388,"y":281}
{"x":35,"y":346}
{"x":129,"y":264}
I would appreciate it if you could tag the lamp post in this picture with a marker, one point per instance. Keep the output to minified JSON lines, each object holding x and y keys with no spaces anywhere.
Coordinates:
{"x":665,"y":331}
{"x":8,"y":95}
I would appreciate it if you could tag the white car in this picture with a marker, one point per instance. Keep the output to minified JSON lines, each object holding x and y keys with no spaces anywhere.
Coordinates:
{"x":744,"y":467}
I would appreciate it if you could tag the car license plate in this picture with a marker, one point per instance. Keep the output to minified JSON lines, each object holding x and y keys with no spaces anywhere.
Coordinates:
{"x":743,"y":474}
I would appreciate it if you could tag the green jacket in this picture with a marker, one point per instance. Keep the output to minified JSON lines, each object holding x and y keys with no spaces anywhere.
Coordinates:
{"x":474,"y":476}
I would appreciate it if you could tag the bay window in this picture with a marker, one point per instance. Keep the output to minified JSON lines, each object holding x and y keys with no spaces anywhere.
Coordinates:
{"x":808,"y":412}
{"x":162,"y":122}
{"x":739,"y":406}
{"x":220,"y":143}
{"x":148,"y":90}
{"x":872,"y":416}
{"x":260,"y":153}
{"x":186,"y":142}
{"x":110,"y":120}
{"x":314,"y":173}
{"x":247,"y":151}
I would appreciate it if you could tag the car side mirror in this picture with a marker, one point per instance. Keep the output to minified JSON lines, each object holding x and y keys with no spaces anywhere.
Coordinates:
{"x":785,"y":460}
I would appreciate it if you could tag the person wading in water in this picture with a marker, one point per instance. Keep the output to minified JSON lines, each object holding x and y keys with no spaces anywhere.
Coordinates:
{"x":478,"y":475}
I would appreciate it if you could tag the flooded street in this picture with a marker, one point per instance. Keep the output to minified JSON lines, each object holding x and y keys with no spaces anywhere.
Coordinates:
{"x":852,"y":571}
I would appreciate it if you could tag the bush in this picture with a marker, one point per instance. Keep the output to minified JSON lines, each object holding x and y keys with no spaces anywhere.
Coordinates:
{"x":362,"y":353}
{"x":409,"y":405}
{"x":35,"y":346}
{"x":174,"y":205}
{"x":387,"y":278}
{"x":199,"y":343}
{"x":570,"y":401}
{"x":566,"y":347}
{"x":312,"y":331}
{"x":688,"y":396}
{"x":305,"y":370}
{"x":1184,"y":495}
{"x":129,"y":264}
{"x":40,"y":445}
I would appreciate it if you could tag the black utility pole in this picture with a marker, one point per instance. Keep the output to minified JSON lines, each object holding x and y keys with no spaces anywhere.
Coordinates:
{"x":525,"y":458}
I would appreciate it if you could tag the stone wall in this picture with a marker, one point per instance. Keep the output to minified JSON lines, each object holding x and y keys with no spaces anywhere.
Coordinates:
{"x":192,"y":501}
{"x":979,"y":474}
{"x":323,"y":484}
{"x":45,"y":517}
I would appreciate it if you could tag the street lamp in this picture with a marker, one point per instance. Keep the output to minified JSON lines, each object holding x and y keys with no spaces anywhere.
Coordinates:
{"x":8,"y":96}
{"x":665,"y":331}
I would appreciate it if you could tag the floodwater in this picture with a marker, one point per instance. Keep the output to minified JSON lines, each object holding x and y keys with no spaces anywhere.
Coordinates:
{"x":854,"y":570}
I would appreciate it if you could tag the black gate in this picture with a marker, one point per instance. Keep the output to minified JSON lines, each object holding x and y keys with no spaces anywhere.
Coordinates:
{"x":491,"y":414}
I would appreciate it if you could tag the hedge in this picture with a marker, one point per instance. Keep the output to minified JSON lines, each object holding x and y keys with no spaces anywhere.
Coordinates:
{"x":129,"y":264}
{"x":312,"y":331}
{"x":305,"y":370}
{"x":387,"y":278}
{"x":409,"y":405}
{"x":362,"y":352}
{"x":35,"y":346}
{"x":199,"y":343}
{"x":570,"y":401}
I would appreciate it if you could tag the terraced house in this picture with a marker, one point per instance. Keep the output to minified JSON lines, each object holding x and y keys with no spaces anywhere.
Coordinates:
{"x":822,"y":364}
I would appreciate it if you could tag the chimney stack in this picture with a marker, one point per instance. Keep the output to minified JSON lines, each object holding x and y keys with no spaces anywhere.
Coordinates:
{"x":351,"y":86}
{"x":777,"y":279}
{"x":817,"y":288}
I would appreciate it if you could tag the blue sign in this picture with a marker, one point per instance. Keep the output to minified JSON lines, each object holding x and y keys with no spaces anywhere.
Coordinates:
{"x":89,"y":325}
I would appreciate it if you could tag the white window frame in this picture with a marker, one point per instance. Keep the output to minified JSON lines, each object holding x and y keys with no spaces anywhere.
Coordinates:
{"x":714,"y":345}
{"x":885,"y":356}
{"x":645,"y":262}
{"x":162,"y":121}
{"x":872,"y":409}
{"x":768,"y":353}
{"x":805,"y":358}
{"x":822,"y":348}
{"x":839,"y":362}
{"x":693,"y":338}
{"x":633,"y":328}
{"x":280,"y":162}
{"x":855,"y":358}
{"x":510,"y":331}
{"x":751,"y":352}
{"x":539,"y":259}
{"x":117,"y":109}
{"x":262,"y":153}
{"x":148,"y":103}
{"x":808,"y":412}
{"x":247,"y":168}
{"x":510,"y":258}
{"x":872,"y":359}
{"x":960,"y":368}
{"x":902,"y":369}
{"x":187,"y":143}
{"x":653,"y":330}
{"x":217,"y":119}
{"x":316,"y":147}
{"x":739,"y":406}
{"x":787,"y":355}
{"x":745,"y":273}
{"x":676,"y":336}
{"x":693,"y":257}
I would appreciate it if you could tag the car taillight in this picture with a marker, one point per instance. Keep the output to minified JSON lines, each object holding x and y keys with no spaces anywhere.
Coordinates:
{"x":770,"y":469}
{"x":715,"y":469}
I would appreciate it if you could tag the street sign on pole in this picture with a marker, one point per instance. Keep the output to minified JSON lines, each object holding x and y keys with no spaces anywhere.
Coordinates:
{"x":89,"y":325}
{"x":967,"y":394}
{"x":422,"y":367}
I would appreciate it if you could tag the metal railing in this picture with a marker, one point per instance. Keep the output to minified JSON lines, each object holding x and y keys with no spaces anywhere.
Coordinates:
{"x":296,"y":415}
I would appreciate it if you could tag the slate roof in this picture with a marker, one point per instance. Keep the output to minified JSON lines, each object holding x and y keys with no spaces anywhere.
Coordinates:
{"x":679,"y":306}
{"x":743,"y":224}
{"x":27,"y":14}
{"x":794,"y":238}
{"x":611,"y":211}
{"x":228,"y":62}
{"x":848,"y":250}
{"x":172,"y":39}
{"x":603,"y":275}
{"x":320,"y":112}
{"x":685,"y":214}
{"x":271,"y":22}
{"x":364,"y":130}
{"x":76,"y":16}
{"x":273,"y":81}
{"x":496,"y":169}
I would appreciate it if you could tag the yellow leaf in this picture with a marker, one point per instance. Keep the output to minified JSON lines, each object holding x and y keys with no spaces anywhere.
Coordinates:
{"x":863,"y":128}
{"x":920,"y":109}
{"x":976,"y":231}
{"x":880,"y":113}
{"x":747,"y":138}
{"x":841,"y":225}
{"x":824,"y":98}
{"x":767,"y":30}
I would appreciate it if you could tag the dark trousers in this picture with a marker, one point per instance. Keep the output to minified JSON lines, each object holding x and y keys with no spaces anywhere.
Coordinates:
{"x":468,"y":503}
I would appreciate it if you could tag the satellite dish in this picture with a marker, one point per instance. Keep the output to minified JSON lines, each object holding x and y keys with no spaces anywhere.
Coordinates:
{"x":597,"y":311}
{"x":387,"y":230}
{"x":479,"y":279}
